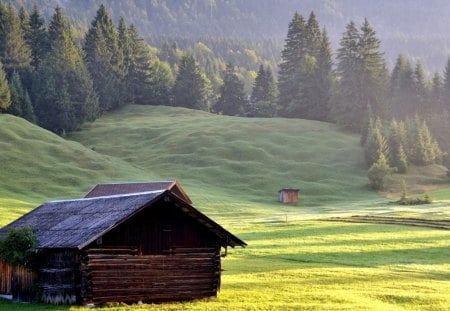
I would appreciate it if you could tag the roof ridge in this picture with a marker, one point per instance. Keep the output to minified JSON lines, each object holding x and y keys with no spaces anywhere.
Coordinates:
{"x":107,"y":196}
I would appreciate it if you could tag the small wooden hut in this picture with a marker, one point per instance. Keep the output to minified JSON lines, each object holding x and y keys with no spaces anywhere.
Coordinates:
{"x":288,"y":195}
{"x":148,"y":246}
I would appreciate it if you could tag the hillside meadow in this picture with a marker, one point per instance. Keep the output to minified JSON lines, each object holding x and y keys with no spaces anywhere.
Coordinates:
{"x":232,"y":168}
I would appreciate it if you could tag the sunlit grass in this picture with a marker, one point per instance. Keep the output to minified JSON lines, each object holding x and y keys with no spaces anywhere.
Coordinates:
{"x":309,"y":265}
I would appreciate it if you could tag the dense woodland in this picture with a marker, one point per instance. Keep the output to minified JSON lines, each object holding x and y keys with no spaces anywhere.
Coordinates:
{"x":59,"y":78}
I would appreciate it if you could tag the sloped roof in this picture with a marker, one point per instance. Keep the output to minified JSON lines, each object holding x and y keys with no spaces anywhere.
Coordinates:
{"x":77,"y":223}
{"x":106,"y":189}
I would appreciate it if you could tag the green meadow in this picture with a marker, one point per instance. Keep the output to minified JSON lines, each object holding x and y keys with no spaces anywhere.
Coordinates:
{"x":232,"y":168}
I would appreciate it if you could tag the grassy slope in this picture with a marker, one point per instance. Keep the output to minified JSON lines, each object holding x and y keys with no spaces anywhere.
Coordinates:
{"x":234,"y":159}
{"x":38,"y":165}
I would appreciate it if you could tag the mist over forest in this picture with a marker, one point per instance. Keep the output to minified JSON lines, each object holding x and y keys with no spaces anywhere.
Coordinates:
{"x":415,"y":28}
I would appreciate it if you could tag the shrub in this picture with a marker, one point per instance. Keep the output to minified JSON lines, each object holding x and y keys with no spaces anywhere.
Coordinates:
{"x":19,"y":247}
{"x":378,"y":172}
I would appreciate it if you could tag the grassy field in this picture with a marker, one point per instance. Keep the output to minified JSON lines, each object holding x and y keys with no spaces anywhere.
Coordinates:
{"x":232,"y":168}
{"x":310,"y":265}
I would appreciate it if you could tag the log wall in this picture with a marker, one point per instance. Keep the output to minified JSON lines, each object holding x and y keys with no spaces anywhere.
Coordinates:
{"x":59,"y":278}
{"x":5,"y":278}
{"x":124,"y":276}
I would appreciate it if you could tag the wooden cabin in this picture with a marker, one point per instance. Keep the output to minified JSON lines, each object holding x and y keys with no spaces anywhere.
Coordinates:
{"x":288,"y":195}
{"x":148,"y":246}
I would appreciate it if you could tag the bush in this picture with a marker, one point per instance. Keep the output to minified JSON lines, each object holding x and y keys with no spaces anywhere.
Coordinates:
{"x":378,"y":172}
{"x":19,"y":247}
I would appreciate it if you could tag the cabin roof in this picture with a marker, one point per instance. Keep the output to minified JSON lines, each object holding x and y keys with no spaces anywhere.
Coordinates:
{"x":289,"y":189}
{"x":76,"y":223}
{"x":106,"y":189}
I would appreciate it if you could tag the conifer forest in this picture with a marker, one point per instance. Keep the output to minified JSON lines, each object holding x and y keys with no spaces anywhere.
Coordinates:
{"x":57,"y":72}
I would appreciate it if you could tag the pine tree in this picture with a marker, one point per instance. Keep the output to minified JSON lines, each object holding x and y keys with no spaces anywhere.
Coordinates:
{"x":192,"y":89}
{"x":376,"y":144}
{"x":63,"y":91}
{"x":324,"y":80}
{"x":362,"y":76}
{"x":16,"y":55}
{"x":401,"y":89}
{"x":232,"y":98}
{"x":37,"y":38}
{"x":20,"y":100}
{"x":396,"y":142}
{"x":104,"y":60}
{"x":24,"y":21}
{"x":292,"y":55}
{"x":422,"y":149}
{"x":378,"y":172}
{"x":446,"y":87}
{"x":421,"y":89}
{"x":347,"y":107}
{"x":5,"y":95}
{"x":435,"y":104}
{"x":263,"y":101}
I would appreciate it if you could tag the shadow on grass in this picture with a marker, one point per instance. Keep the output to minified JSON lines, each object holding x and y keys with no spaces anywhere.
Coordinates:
{"x":356,"y":258}
{"x":13,"y":306}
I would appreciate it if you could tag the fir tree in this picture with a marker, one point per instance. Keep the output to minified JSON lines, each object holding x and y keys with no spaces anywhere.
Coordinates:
{"x":16,"y":54}
{"x":378,"y":172}
{"x":362,"y":76}
{"x":446,"y":87}
{"x":20,"y":100}
{"x":192,"y":88}
{"x":376,"y":144}
{"x":292,"y":54}
{"x":63,"y":92}
{"x":421,"y":89}
{"x":37,"y":38}
{"x":232,"y":99}
{"x":436,"y":92}
{"x":401,"y":89}
{"x":5,"y":95}
{"x":104,"y":61}
{"x":396,"y":142}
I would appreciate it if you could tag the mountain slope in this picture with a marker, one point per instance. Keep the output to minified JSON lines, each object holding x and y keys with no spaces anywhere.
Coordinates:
{"x":231,"y":159}
{"x":37,"y":165}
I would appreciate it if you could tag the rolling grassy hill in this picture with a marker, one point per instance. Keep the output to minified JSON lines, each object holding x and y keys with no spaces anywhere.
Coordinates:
{"x":38,"y":165}
{"x":229,"y":159}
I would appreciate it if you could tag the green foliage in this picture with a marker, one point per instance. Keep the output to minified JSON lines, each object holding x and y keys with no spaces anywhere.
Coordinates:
{"x":104,"y":60}
{"x":378,"y":172}
{"x":192,"y":88}
{"x":362,"y":75}
{"x":20,"y":100}
{"x":376,"y":144}
{"x":37,"y":37}
{"x":19,"y":247}
{"x":15,"y":53}
{"x":232,"y":99}
{"x":5,"y":95}
{"x":63,"y":92}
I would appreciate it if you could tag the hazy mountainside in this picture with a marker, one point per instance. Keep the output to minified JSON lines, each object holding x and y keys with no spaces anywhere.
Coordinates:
{"x":417,"y":28}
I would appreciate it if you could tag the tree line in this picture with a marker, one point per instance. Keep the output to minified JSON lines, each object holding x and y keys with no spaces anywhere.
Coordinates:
{"x":49,"y":77}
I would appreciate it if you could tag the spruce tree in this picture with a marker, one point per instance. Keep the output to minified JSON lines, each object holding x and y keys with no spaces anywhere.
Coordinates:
{"x":232,"y":98}
{"x":16,"y":55}
{"x":401,"y":89}
{"x":396,"y":142}
{"x":421,"y":89}
{"x":104,"y":61}
{"x":435,"y":105}
{"x":347,"y":107}
{"x":63,"y":91}
{"x":376,"y":144}
{"x":5,"y":95}
{"x":292,"y":55}
{"x":362,"y":76}
{"x":263,"y":101}
{"x":192,"y":89}
{"x":20,"y":100}
{"x":37,"y":38}
{"x":378,"y":172}
{"x":446,"y":87}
